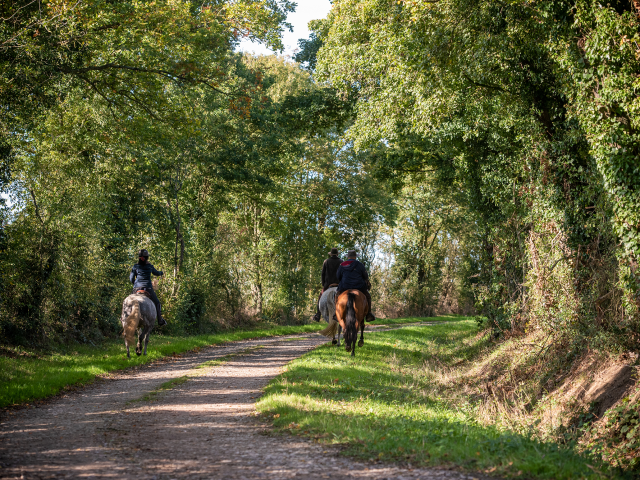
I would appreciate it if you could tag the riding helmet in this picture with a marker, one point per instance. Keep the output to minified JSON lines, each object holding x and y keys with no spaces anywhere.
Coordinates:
{"x":143,"y":253}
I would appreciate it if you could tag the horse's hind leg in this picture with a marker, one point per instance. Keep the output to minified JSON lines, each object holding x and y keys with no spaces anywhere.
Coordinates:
{"x":140,"y":340}
{"x":361,"y":342}
{"x":339,"y":333}
{"x":128,"y":353}
{"x":144,"y":339}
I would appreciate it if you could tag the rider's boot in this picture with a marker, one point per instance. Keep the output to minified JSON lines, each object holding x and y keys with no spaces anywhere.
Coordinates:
{"x":161,"y":321}
{"x":369,"y":317}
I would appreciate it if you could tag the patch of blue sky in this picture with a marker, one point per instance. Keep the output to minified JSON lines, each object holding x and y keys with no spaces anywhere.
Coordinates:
{"x":306,"y":11}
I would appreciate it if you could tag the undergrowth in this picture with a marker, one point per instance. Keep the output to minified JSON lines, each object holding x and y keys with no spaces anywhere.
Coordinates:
{"x":617,"y":437}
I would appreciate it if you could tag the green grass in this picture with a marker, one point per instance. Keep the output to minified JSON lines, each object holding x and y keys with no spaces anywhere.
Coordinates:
{"x":401,"y":321}
{"x":394,"y":402}
{"x":28,"y":376}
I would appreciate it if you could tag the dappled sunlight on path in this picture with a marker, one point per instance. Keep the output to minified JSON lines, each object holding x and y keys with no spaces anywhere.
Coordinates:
{"x":200,"y":427}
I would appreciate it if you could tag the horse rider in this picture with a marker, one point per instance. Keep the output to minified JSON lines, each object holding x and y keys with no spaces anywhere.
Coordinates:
{"x":329,"y":279}
{"x":141,"y":278}
{"x":352,"y":275}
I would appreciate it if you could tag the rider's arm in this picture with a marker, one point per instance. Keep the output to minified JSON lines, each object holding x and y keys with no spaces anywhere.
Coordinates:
{"x":156,"y":272}
{"x":365,"y":275}
{"x":132,"y":275}
{"x":324,"y":271}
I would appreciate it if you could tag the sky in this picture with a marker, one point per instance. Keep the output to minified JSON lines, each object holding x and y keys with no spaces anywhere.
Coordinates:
{"x":305,"y":11}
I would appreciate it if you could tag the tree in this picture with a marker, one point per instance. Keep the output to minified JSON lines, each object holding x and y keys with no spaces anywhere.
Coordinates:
{"x":487,"y":97}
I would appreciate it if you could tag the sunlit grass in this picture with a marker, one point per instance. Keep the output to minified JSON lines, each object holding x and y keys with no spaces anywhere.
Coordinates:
{"x":401,"y":321}
{"x":395,"y":402}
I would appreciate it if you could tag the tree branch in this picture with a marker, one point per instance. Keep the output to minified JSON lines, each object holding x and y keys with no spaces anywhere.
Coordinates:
{"x":484,"y":85}
{"x":35,"y":204}
{"x":165,"y":73}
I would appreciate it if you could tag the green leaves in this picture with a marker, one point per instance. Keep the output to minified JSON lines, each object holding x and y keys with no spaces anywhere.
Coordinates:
{"x":527,"y":113}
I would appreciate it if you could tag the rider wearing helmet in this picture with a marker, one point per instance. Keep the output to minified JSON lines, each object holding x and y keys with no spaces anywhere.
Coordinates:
{"x":353,"y":275}
{"x":141,"y":278}
{"x":329,"y":269}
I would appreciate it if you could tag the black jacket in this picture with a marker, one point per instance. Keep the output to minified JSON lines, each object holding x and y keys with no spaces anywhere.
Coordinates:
{"x":141,"y":275}
{"x":352,"y":275}
{"x":329,"y":271}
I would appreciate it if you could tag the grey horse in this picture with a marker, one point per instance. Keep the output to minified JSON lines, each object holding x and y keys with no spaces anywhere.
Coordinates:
{"x":327,"y":305}
{"x":138,"y":315}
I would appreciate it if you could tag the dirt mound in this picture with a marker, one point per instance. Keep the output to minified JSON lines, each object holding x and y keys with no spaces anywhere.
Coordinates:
{"x":533,"y":383}
{"x":610,"y":386}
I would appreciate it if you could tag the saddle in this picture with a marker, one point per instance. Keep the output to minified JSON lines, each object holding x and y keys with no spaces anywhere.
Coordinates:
{"x":144,"y":292}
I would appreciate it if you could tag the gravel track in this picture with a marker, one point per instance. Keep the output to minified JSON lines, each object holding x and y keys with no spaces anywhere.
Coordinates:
{"x":203,"y":428}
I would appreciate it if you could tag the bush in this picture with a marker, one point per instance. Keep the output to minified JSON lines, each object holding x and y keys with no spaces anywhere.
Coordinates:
{"x":190,"y":309}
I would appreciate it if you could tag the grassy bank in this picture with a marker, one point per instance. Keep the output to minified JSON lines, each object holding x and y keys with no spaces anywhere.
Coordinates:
{"x":394,"y":402}
{"x":31,"y":375}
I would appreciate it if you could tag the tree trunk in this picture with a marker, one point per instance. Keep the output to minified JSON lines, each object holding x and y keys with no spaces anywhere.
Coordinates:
{"x":179,"y":250}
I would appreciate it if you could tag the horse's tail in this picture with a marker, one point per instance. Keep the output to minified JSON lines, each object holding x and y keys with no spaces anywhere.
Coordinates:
{"x":131,"y":324}
{"x":331,"y":330}
{"x":351,"y":332}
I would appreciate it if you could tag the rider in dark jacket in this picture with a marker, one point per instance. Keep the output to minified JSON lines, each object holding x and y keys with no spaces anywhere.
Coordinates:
{"x":140,"y":276}
{"x":329,"y":269}
{"x":352,"y":275}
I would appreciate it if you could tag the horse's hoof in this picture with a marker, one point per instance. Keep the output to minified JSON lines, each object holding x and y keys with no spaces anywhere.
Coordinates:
{"x":138,"y":353}
{"x":334,"y":342}
{"x":361,"y":343}
{"x":347,"y":348}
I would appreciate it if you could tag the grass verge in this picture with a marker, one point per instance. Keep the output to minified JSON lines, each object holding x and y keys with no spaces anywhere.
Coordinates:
{"x":393,"y":402}
{"x":405,"y":320}
{"x":152,"y":395}
{"x":26,"y":376}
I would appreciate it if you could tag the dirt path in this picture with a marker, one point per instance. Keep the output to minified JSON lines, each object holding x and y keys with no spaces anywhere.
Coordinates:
{"x":202,"y":428}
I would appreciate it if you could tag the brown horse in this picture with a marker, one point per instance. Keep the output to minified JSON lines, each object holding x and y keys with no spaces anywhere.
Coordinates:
{"x":351,"y":308}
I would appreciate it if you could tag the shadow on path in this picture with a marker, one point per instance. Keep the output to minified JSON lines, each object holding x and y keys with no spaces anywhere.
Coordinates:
{"x":202,"y":428}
